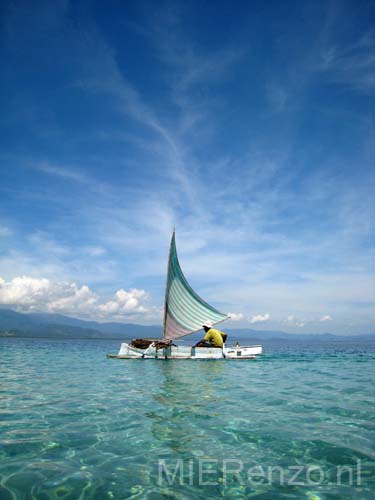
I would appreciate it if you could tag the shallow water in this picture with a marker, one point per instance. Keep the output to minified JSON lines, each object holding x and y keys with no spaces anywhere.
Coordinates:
{"x":74,"y":424}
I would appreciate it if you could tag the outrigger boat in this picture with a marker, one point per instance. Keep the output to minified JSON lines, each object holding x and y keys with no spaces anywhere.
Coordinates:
{"x":184,"y":313}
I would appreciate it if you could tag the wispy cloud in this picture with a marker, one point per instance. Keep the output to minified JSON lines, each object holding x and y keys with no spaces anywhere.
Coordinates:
{"x":42,"y":242}
{"x":4,"y":231}
{"x":273,"y":212}
{"x":352,"y":65}
{"x":278,"y":96}
{"x":63,"y":172}
{"x":101,"y":75}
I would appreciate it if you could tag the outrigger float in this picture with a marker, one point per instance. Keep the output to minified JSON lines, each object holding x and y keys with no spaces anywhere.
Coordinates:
{"x":184,"y":313}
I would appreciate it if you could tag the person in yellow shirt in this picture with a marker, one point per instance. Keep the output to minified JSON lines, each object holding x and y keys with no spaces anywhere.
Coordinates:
{"x":213,"y":337}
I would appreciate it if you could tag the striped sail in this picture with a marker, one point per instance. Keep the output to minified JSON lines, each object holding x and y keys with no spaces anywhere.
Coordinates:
{"x":184,"y":310}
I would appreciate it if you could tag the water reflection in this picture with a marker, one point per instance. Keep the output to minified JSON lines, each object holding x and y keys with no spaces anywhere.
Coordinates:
{"x":188,"y":402}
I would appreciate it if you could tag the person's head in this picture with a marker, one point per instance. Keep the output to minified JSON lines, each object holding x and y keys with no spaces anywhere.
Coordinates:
{"x":207,"y":325}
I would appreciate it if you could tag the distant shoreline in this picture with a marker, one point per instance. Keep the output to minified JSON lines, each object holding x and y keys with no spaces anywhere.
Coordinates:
{"x":308,"y":338}
{"x":56,"y":326}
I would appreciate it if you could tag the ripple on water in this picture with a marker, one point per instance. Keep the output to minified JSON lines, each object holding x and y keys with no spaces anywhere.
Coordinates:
{"x":74,"y":423}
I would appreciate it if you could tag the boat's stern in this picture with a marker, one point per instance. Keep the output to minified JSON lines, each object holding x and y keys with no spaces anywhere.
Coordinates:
{"x":242,"y":352}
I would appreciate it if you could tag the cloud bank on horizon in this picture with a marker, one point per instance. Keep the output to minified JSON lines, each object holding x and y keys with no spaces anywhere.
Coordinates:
{"x":249,"y":129}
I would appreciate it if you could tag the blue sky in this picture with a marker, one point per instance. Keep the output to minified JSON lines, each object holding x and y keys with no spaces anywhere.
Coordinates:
{"x":250,"y":129}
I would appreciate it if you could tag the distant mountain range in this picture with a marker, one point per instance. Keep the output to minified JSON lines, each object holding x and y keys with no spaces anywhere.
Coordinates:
{"x":58,"y":326}
{"x":44,"y":325}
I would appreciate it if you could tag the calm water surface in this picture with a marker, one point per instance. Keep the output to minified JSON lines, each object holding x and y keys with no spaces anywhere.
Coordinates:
{"x":75,"y":425}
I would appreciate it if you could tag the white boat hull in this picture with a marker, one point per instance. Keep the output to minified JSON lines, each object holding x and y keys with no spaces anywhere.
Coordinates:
{"x":184,"y":352}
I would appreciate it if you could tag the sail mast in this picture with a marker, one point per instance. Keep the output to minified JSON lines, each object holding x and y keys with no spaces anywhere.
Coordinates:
{"x":166,"y":284}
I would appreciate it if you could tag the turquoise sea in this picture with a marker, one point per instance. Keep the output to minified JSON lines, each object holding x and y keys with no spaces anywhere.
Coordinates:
{"x":297,"y":423}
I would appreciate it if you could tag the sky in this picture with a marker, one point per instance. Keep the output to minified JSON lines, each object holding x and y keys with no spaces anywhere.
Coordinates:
{"x":249,"y":127}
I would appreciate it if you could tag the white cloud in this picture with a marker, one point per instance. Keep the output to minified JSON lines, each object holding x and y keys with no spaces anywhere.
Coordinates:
{"x":293,"y":321}
{"x":24,"y":291}
{"x":125,"y":302}
{"x":325,"y":318}
{"x":259,"y":318}
{"x":73,"y":299}
{"x":236,"y":316}
{"x":26,"y":294}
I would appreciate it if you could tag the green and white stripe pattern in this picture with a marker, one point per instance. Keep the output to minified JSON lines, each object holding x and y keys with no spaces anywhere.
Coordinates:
{"x":185,"y":311}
